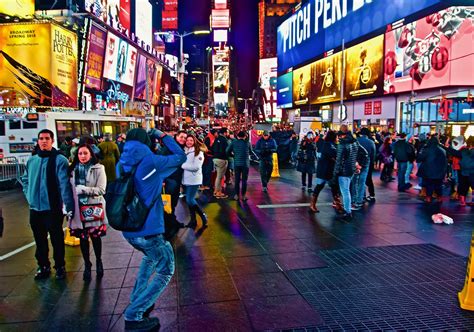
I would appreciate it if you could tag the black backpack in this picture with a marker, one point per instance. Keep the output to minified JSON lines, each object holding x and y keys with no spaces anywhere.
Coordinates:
{"x":124,"y":207}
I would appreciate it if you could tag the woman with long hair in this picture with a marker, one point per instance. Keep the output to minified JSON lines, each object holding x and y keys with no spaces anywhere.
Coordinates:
{"x":387,"y":160}
{"x":192,"y":177}
{"x":325,"y":169}
{"x":88,"y":181}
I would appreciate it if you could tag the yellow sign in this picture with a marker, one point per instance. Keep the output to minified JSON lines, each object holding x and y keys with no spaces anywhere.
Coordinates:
{"x":466,"y":296}
{"x":325,"y":79}
{"x":364,"y":68}
{"x":40,"y":60}
{"x":301,"y":85}
{"x":19,"y":8}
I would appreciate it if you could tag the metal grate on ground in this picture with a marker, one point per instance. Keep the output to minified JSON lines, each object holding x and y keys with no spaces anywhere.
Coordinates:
{"x":390,"y":288}
{"x":390,"y":254}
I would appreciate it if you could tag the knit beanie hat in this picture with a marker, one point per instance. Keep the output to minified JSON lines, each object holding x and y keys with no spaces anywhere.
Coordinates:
{"x":140,"y":135}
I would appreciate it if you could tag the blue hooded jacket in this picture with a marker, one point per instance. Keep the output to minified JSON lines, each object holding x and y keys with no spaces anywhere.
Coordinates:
{"x":152,"y":170}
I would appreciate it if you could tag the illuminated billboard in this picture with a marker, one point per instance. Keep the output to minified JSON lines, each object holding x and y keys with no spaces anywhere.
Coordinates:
{"x":220,"y":4}
{"x":120,"y":60}
{"x":148,"y":82}
{"x":319,"y":26}
{"x":95,"y":57}
{"x":301,"y":85}
{"x":220,"y":36}
{"x":221,"y":57}
{"x":285,"y":90}
{"x":140,"y":81}
{"x":169,"y":15}
{"x":40,"y":60}
{"x":326,"y":79}
{"x":435,"y":51}
{"x":221,"y":79}
{"x":364,"y":69}
{"x":19,"y":8}
{"x":267,"y":79}
{"x":115,"y":13}
{"x":143,"y":21}
{"x":220,"y":18}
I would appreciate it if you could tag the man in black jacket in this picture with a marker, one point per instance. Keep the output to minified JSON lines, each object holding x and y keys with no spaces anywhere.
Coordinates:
{"x":240,"y":149}
{"x":403,"y":152}
{"x":265,"y":148}
{"x":220,"y":161}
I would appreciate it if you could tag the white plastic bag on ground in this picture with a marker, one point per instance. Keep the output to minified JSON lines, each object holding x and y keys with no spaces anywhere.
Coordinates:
{"x":440,"y":218}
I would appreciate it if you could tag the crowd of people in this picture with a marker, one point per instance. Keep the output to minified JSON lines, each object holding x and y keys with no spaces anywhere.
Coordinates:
{"x":346,"y":161}
{"x":73,"y":180}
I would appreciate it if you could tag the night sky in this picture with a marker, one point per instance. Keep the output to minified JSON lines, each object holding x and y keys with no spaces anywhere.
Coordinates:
{"x":244,"y":35}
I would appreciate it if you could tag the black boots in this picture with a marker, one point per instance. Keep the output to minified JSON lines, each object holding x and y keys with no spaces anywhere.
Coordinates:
{"x":43,"y":272}
{"x":202,"y":215}
{"x":192,"y":212}
{"x":100,"y":268}
{"x":86,"y":276}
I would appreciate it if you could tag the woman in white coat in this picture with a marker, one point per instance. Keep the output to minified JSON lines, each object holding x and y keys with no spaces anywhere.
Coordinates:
{"x":88,"y":180}
{"x":192,"y":177}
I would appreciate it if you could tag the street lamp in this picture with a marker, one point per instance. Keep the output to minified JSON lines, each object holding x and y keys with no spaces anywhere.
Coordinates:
{"x":182,"y":63}
{"x":208,"y":74}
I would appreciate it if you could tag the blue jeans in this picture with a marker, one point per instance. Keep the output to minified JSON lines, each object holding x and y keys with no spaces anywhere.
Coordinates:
{"x":158,"y":260}
{"x":345,"y":188}
{"x":191,"y":192}
{"x":402,"y":171}
{"x":360,"y":185}
{"x":408,"y":173}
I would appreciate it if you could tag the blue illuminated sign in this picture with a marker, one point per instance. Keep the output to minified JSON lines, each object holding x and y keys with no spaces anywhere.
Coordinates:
{"x":321,"y":25}
{"x":285,"y":91}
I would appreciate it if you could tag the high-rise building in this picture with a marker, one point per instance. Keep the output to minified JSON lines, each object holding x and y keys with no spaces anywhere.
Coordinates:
{"x":269,"y":16}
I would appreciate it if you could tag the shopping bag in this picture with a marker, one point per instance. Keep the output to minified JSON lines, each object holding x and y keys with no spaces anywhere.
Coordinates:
{"x":166,"y":198}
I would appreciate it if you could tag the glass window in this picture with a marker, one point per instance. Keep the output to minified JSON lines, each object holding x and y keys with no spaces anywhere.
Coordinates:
{"x":433,"y":111}
{"x":463,"y":114}
{"x":15,"y":124}
{"x":30,"y":125}
{"x":2,"y":128}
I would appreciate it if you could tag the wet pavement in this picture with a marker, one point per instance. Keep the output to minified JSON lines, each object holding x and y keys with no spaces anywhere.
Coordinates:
{"x":266,"y":264}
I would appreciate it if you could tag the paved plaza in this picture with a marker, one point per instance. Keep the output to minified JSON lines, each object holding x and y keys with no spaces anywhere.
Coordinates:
{"x":266,"y":264}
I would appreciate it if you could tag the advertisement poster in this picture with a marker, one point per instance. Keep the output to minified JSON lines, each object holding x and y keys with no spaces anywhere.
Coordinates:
{"x":156,"y":86}
{"x":143,"y":21}
{"x":267,"y":79}
{"x":301,"y":85}
{"x":435,"y":51}
{"x":19,"y":8}
{"x":285,"y":90}
{"x":364,"y":69}
{"x":140,"y":82}
{"x":95,"y":57}
{"x":326,"y":79}
{"x":115,"y":13}
{"x":50,"y":82}
{"x":221,"y":79}
{"x":120,"y":60}
{"x":64,"y":67}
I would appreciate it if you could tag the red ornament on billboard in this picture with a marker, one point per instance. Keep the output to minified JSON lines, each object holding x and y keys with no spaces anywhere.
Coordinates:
{"x":415,"y":73}
{"x":440,"y":58}
{"x":390,"y":63}
{"x":445,"y":108}
{"x":403,"y":41}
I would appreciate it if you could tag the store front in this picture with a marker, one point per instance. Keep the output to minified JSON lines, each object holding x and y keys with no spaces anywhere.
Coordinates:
{"x":378,"y":114}
{"x":452,"y":114}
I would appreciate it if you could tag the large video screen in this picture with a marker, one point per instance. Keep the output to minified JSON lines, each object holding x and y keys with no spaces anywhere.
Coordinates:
{"x":285,"y":90}
{"x":364,"y":69}
{"x":321,"y":25}
{"x":301,"y":85}
{"x":115,"y":13}
{"x":435,"y":51}
{"x":120,"y":60}
{"x":326,"y":79}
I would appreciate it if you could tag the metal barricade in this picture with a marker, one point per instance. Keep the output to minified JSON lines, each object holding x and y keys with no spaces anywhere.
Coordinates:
{"x":12,"y":168}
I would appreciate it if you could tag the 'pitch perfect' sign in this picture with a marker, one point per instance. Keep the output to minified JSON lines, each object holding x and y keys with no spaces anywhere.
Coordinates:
{"x":41,"y":61}
{"x":321,"y":25}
